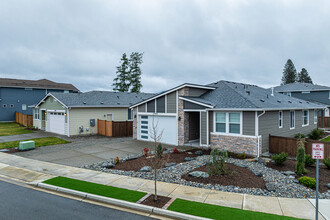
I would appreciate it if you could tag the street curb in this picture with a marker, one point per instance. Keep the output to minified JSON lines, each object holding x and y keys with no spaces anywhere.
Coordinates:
{"x":121,"y":203}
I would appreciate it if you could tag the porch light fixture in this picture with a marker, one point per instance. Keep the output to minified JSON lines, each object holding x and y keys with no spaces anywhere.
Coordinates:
{"x":134,"y":116}
{"x":179,"y":118}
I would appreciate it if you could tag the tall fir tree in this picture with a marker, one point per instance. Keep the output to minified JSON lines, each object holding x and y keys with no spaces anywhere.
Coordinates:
{"x":303,"y":77}
{"x":135,"y":76}
{"x":122,"y":81}
{"x":289,"y":73}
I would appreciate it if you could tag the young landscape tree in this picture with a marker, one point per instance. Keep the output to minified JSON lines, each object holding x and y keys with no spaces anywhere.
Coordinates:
{"x":303,"y":77}
{"x":289,"y":73}
{"x":129,"y":73}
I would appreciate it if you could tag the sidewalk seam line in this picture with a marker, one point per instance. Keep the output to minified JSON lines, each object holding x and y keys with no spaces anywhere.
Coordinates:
{"x":278,"y":199}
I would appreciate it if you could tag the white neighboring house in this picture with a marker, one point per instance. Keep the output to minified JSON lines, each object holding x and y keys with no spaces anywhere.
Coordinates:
{"x":77,"y":113}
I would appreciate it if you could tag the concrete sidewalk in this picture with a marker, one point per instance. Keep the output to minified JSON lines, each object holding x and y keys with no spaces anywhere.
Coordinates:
{"x":30,"y":170}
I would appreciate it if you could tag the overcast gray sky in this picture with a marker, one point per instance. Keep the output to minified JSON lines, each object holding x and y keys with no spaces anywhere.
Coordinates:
{"x":81,"y":41}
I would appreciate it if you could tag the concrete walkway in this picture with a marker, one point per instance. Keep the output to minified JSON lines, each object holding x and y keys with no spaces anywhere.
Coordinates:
{"x":30,"y":170}
{"x":20,"y":137}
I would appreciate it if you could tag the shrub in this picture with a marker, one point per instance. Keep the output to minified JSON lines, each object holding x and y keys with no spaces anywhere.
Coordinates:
{"x":300,"y":165}
{"x":299,"y":135}
{"x":146,"y":151}
{"x":308,"y":181}
{"x":217,"y":163}
{"x":309,"y":161}
{"x":117,"y":160}
{"x":241,"y":156}
{"x":230,"y":154}
{"x":327,"y":162}
{"x":279,"y":159}
{"x":315,"y":134}
{"x":175,"y":150}
{"x":159,"y":150}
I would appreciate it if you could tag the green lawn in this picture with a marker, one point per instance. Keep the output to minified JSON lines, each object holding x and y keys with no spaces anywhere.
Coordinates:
{"x":97,"y":189}
{"x":326,"y":139}
{"x":39,"y":142}
{"x":10,"y":128}
{"x":218,"y":212}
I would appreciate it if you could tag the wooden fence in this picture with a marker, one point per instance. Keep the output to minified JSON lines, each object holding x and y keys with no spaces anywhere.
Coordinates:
{"x":289,"y":145}
{"x":26,"y":120}
{"x":115,"y":128}
{"x":326,"y":122}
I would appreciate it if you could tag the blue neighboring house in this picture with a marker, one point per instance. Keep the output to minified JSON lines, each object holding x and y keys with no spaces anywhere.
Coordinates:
{"x":309,"y":92}
{"x":17,"y":94}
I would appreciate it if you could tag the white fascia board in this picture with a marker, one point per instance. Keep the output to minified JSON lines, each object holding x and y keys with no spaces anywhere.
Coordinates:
{"x":172,"y":90}
{"x":49,"y":94}
{"x":196,"y":102}
{"x":159,"y":114}
{"x":99,"y":106}
{"x":260,"y":109}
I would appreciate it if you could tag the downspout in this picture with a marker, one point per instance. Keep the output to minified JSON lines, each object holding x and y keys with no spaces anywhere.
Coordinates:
{"x":68,"y":118}
{"x":257,"y":130}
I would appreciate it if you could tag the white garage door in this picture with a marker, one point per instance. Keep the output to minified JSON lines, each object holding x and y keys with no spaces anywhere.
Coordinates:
{"x":56,"y":121}
{"x":165,"y":124}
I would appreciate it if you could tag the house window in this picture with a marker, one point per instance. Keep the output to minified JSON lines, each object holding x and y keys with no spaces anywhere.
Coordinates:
{"x":287,"y":93}
{"x":28,"y":89}
{"x":315,"y":116}
{"x":305,"y":117}
{"x":220,"y":122}
{"x":235,"y":123}
{"x":129,"y":114}
{"x":228,"y":122}
{"x":11,"y":105}
{"x":305,"y":92}
{"x":23,"y":107}
{"x":4,"y":105}
{"x":292,"y":119}
{"x":280,"y":119}
{"x":36,"y":113}
{"x":66,"y":91}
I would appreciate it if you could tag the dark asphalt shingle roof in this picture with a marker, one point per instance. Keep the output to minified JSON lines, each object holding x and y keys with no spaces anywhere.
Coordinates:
{"x":232,"y":95}
{"x":298,"y":87}
{"x":42,"y":83}
{"x":101,"y":98}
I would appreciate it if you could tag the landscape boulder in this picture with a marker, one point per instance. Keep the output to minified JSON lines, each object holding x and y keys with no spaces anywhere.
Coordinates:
{"x":270,"y":186}
{"x":328,"y":185}
{"x":170,"y":164}
{"x":189,"y":158}
{"x":199,"y":152}
{"x":107,"y":165}
{"x":289,"y":173}
{"x":146,"y":169}
{"x":262,"y":161}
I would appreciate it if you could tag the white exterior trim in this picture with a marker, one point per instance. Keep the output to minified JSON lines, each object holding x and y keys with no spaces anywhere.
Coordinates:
{"x":177,"y":116}
{"x":260,"y":109}
{"x":303,"y":118}
{"x":68,"y":121}
{"x":207,"y":129}
{"x":193,"y":110}
{"x":61,"y":111}
{"x":195,"y":102}
{"x":153,"y":113}
{"x":49,"y":94}
{"x":172,"y":90}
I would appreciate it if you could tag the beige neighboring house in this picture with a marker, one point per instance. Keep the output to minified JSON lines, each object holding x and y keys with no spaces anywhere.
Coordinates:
{"x":77,"y":113}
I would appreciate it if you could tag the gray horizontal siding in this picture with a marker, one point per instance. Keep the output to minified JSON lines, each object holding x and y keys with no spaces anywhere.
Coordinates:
{"x":161,"y":104}
{"x":249,"y":123}
{"x":268,"y":124}
{"x":171,"y":102}
{"x":151,"y":106}
{"x":142,"y":108}
{"x":189,"y":105}
{"x":203,"y":128}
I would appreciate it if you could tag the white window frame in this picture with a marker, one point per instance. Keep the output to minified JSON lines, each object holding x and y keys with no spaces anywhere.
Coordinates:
{"x":294,"y":119}
{"x":130,"y":115}
{"x":303,"y":116}
{"x":36,"y":114}
{"x":287,"y":93}
{"x":227,"y":124}
{"x":24,"y":109}
{"x":280,"y":119}
{"x":316,"y":118}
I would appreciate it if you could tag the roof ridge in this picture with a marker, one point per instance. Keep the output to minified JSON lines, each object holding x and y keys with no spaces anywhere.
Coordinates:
{"x":241,"y":95}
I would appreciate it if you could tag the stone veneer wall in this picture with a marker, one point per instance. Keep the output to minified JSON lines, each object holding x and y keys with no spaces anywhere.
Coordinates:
{"x":135,"y":123}
{"x":247,"y":145}
{"x":183,"y":124}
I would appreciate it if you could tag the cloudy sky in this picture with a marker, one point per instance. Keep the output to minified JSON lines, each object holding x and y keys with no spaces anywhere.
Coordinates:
{"x":81,"y":41}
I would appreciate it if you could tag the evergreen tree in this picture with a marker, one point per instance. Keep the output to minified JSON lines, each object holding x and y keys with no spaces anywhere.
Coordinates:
{"x":122,"y":81}
{"x":303,"y":77}
{"x":135,"y":72}
{"x":289,"y":73}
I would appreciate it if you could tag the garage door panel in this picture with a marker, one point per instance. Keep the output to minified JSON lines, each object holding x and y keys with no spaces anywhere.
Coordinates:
{"x":56,"y":123}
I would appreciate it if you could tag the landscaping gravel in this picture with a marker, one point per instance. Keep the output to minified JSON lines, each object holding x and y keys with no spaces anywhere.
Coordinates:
{"x":277,"y":183}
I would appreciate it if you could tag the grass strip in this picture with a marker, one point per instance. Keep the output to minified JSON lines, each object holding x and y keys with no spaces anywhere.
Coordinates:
{"x":39,"y":142}
{"x":326,"y":139}
{"x":10,"y":128}
{"x":218,"y":212}
{"x":97,"y":189}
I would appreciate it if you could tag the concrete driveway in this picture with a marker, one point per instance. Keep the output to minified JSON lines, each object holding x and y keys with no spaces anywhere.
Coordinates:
{"x":86,"y":150}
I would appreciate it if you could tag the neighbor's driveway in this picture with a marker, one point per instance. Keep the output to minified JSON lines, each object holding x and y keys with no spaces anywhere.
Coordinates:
{"x":86,"y":150}
{"x":19,"y":137}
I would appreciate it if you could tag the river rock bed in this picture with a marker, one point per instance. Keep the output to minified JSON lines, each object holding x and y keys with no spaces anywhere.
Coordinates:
{"x":277,"y":184}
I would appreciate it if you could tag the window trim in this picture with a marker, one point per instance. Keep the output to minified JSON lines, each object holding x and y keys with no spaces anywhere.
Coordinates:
{"x":25,"y":107}
{"x":227,"y":123}
{"x":294,"y":119}
{"x":315,"y":116}
{"x":128,"y":110}
{"x":280,"y":119}
{"x":304,"y":125}
{"x":36,"y":114}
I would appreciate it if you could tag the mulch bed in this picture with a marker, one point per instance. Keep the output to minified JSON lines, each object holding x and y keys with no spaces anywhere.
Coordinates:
{"x":137,"y":164}
{"x":236,"y":176}
{"x":161,"y":201}
{"x":290,"y":165}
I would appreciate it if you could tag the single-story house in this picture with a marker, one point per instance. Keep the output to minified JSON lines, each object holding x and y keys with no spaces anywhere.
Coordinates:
{"x":233,"y":116}
{"x":17,"y":94}
{"x":77,"y":113}
{"x":309,"y":92}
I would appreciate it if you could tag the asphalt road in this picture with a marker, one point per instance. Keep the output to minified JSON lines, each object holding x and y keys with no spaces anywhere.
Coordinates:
{"x":17,"y":202}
